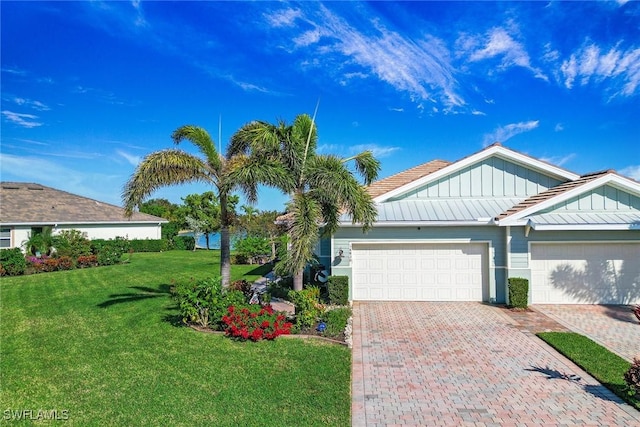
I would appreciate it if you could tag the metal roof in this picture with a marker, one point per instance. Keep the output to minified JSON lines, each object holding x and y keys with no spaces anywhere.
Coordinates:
{"x":441,"y":210}
{"x":589,"y":218}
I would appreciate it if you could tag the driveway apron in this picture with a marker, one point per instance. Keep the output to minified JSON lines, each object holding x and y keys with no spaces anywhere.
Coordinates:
{"x":466,"y":364}
{"x":614,"y":327}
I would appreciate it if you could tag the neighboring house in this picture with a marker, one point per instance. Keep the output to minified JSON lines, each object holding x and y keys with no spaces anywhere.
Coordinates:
{"x":26,"y":208}
{"x":457,"y":231}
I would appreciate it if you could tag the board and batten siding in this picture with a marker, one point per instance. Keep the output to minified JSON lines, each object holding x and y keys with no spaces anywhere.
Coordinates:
{"x":492,"y":177}
{"x":492,"y":236}
{"x":603,"y":199}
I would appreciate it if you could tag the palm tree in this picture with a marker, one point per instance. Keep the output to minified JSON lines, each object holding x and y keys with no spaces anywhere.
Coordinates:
{"x":172,"y":167}
{"x":321,"y":187}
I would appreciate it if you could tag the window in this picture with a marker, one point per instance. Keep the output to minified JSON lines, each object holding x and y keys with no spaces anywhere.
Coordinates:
{"x":5,"y":238}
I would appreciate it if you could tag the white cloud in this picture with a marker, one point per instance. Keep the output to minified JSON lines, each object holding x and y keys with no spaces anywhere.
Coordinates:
{"x":36,"y":105}
{"x":559,"y":127}
{"x":478,"y":113}
{"x":284,"y":18}
{"x":377,"y":150}
{"x":98,"y":186}
{"x":498,"y":43}
{"x":558,"y":160}
{"x":132,"y":159}
{"x":502,"y":134}
{"x":589,"y":64}
{"x":632,"y":172}
{"x":396,"y":109}
{"x":21,"y":119}
{"x":422,"y":68}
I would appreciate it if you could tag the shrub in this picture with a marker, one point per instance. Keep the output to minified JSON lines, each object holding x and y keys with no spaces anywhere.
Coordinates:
{"x":12,"y":262}
{"x":518,"y":292}
{"x":242,"y":286}
{"x":336,"y":321}
{"x":72,"y":243}
{"x":110,"y":252}
{"x":85,"y":261}
{"x":149,"y":245}
{"x":184,"y":243}
{"x":251,"y":247}
{"x":308,"y":307}
{"x":338,"y":290}
{"x":255,"y":323}
{"x":204,"y":302}
{"x":66,"y":263}
{"x":632,"y":378}
{"x":280,"y":288}
{"x":238,"y":259}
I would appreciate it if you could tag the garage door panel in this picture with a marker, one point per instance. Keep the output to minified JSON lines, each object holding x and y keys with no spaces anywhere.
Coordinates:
{"x":430,"y":272}
{"x":585,"y":273}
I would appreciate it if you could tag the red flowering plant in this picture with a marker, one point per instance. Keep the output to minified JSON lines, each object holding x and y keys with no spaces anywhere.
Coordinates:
{"x":255,"y":323}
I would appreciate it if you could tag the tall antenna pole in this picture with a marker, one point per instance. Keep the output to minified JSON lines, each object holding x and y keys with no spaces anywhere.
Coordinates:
{"x":306,"y":149}
{"x":220,"y":134}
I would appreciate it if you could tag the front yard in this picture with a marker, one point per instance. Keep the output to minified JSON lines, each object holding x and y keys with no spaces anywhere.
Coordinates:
{"x":105,"y":345}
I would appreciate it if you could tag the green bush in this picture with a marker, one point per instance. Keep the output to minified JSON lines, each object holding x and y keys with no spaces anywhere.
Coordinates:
{"x":338,"y":290}
{"x":205,"y":302}
{"x":239,"y":259}
{"x":149,"y":245}
{"x":518,"y":292}
{"x":632,"y":378}
{"x":336,"y":321}
{"x":251,"y":247}
{"x":280,"y":289}
{"x":308,"y":307}
{"x":12,"y":262}
{"x":71,"y":243}
{"x":110,"y":252}
{"x":184,"y":243}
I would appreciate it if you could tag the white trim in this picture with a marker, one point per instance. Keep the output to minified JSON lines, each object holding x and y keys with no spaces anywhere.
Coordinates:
{"x":507,"y":245}
{"x":498,"y":150}
{"x":577,"y":227}
{"x":623,"y":183}
{"x":37,"y":224}
{"x":422,"y":224}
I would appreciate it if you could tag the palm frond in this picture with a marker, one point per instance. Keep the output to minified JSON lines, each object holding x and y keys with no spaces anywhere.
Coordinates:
{"x":160,"y":169}
{"x":201,"y":139}
{"x":304,"y":231}
{"x":366,"y":165}
{"x":247,"y":172}
{"x":258,"y":137}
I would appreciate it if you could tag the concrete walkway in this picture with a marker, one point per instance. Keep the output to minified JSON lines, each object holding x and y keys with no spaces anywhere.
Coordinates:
{"x":614,"y":327}
{"x":466,"y":364}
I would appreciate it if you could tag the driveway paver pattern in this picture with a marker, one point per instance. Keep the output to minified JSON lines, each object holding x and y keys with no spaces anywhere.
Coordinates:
{"x":612,"y":326}
{"x":467,"y":364}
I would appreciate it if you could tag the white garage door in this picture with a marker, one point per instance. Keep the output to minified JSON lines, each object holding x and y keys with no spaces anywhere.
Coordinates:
{"x":419,"y":272}
{"x":585,"y":273}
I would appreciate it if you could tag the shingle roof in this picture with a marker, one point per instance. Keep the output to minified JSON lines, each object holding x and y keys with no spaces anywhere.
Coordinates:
{"x":29,"y":203}
{"x":392,"y":182}
{"x":552,"y":192}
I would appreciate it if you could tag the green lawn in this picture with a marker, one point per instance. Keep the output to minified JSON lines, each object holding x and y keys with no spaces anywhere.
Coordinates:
{"x":105,"y":345}
{"x":597,"y":361}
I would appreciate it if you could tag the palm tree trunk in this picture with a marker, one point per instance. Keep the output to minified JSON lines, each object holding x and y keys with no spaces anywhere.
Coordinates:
{"x":297,"y":280}
{"x":225,"y":247}
{"x":225,"y":256}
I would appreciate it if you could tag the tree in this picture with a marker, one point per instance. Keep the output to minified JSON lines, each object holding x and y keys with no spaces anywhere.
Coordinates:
{"x":226,"y":174}
{"x":321,"y":187}
{"x":256,"y":223}
{"x":202,"y":213}
{"x":160,"y":207}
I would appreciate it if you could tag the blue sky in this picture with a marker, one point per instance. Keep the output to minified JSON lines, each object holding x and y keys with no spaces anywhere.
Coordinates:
{"x":90,"y":88}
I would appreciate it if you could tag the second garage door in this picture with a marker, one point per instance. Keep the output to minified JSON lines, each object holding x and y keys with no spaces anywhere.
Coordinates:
{"x":585,"y":273}
{"x":419,"y":272}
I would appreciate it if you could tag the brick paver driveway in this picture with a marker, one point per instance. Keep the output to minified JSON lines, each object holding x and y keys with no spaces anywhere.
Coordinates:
{"x":614,"y":327}
{"x":465,"y":364}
